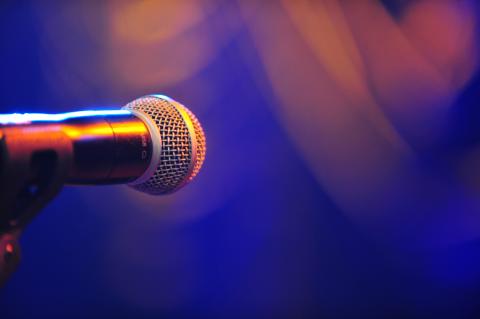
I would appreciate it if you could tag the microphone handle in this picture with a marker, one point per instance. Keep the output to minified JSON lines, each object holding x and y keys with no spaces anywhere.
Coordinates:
{"x":106,"y":149}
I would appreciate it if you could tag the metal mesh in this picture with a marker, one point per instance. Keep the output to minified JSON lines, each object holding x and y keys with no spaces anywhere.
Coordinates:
{"x":175,"y":167}
{"x":201,"y":144}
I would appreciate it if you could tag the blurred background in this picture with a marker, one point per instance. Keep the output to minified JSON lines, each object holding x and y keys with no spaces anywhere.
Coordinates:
{"x":342,"y":177}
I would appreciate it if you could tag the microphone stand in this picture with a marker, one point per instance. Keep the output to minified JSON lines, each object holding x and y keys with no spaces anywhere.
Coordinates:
{"x":32,"y":172}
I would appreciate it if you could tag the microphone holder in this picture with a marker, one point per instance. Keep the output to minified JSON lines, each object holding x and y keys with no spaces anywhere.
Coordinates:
{"x":32,"y":172}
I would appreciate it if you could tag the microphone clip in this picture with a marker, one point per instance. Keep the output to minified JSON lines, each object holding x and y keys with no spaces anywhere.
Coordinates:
{"x":32,"y":172}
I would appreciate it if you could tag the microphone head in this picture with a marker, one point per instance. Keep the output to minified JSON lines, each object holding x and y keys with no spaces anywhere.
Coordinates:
{"x":179,"y":144}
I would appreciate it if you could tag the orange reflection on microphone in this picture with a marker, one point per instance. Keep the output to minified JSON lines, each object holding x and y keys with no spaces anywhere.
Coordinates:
{"x":87,"y":132}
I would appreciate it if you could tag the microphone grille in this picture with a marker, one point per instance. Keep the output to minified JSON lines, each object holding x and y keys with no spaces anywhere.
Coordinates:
{"x":201,"y":147}
{"x":183,"y":144}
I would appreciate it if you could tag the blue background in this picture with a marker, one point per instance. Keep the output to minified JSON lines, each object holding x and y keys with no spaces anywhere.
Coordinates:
{"x":255,"y":235}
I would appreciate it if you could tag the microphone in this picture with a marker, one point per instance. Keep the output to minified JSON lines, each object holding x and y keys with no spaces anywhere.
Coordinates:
{"x":154,"y":144}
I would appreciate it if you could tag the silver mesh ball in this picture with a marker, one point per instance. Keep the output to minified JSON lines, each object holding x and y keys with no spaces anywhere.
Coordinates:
{"x":183,"y":144}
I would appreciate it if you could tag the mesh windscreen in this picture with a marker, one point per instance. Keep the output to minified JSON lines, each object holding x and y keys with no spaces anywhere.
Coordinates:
{"x":175,"y":167}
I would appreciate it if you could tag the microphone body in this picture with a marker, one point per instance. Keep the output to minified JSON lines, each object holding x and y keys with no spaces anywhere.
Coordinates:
{"x":108,"y":147}
{"x":154,"y":144}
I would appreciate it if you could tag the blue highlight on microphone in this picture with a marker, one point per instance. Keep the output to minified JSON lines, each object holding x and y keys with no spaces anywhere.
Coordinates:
{"x":25,"y":118}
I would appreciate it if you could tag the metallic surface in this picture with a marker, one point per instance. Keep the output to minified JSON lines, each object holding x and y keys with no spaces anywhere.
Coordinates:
{"x":110,"y":150}
{"x":106,"y":149}
{"x":154,"y":143}
{"x":183,"y":144}
{"x":201,"y":142}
